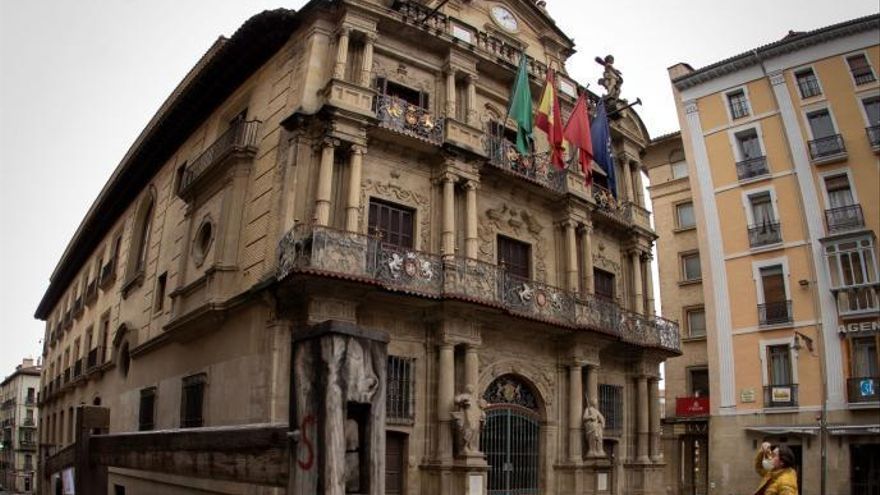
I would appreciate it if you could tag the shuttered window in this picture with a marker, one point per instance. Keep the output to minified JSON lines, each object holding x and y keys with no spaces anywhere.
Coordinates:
{"x":392,"y":223}
{"x":515,"y":256}
{"x":604,"y":282}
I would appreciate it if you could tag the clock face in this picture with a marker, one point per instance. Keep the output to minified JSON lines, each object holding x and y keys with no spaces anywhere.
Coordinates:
{"x":504,"y":18}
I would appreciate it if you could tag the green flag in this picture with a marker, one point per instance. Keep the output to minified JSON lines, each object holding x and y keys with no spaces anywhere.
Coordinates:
{"x":521,"y":107}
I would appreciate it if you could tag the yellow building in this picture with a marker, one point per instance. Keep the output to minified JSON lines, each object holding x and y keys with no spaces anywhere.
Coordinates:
{"x":351,"y":161}
{"x":781,"y":146}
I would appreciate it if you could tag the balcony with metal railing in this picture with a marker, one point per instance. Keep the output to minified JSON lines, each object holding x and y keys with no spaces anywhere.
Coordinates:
{"x":873,"y":133}
{"x":774,"y":313}
{"x":781,"y":395}
{"x":863,"y":389}
{"x":325,"y":251}
{"x":534,"y":167}
{"x":765,"y":234}
{"x":827,"y":149}
{"x":844,"y":218}
{"x":239,"y":140}
{"x":751,"y":168}
{"x":402,"y":117}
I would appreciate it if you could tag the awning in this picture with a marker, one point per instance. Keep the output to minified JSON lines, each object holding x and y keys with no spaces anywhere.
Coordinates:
{"x":784,"y":430}
{"x":854,"y":430}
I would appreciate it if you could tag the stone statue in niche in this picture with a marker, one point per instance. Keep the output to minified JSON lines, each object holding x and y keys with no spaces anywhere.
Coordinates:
{"x":611,"y":78}
{"x":360,"y":377}
{"x":594,"y":429}
{"x":469,"y":420}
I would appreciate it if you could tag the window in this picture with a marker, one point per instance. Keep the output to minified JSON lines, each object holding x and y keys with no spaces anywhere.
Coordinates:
{"x":144,"y":239}
{"x":864,"y":358}
{"x":392,"y":223}
{"x":872,"y":110}
{"x":807,"y":83}
{"x":779,"y":365}
{"x":147,"y":411}
{"x":604,"y":284}
{"x":748,"y":144}
{"x":400,"y":400}
{"x":515,"y":256}
{"x":409,"y":95}
{"x":684,"y":215}
{"x":853,"y":270}
{"x":764,"y":229}
{"x":395,"y":456}
{"x":775,"y":309}
{"x":679,"y":170}
{"x":860,"y":69}
{"x":696,"y":322}
{"x":192,"y":401}
{"x":738,"y":104}
{"x":611,"y":406}
{"x":355,"y":61}
{"x":821,"y":124}
{"x":160,"y":292}
{"x":461,"y":100}
{"x":462,"y":33}
{"x":839,"y":192}
{"x":699,"y":381}
{"x":690,"y":267}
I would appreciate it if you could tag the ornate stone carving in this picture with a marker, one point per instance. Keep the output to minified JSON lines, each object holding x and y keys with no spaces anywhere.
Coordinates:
{"x":508,"y":389}
{"x":516,"y":223}
{"x":594,"y":429}
{"x":542,"y":379}
{"x":469,"y":419}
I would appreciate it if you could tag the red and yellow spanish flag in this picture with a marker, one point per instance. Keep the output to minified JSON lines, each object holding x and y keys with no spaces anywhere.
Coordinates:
{"x":548,"y":118}
{"x":577,"y":132}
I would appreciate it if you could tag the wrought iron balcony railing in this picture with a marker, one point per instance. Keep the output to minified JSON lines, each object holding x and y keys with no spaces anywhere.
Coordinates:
{"x":844,"y":218}
{"x":240,"y":137}
{"x":611,"y":207}
{"x":863,"y":76}
{"x":873,"y":133}
{"x":536,"y":167}
{"x":863,"y":389}
{"x":751,"y":168}
{"x":826,"y":147}
{"x":400,"y":116}
{"x":765,"y":234}
{"x":322,"y":250}
{"x":857,"y":299}
{"x":781,"y":395}
{"x":774,"y":313}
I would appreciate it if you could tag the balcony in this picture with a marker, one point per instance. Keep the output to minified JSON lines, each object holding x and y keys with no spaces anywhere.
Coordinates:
{"x":827,"y":149}
{"x":765,"y":234}
{"x":323,"y":251}
{"x":28,"y":422}
{"x":781,"y":395}
{"x":239,"y":139}
{"x":844,"y":218}
{"x":774,"y":313}
{"x":857,"y":299}
{"x":860,"y":390}
{"x":27,"y":444}
{"x":536,"y":167}
{"x":402,"y":117}
{"x":610,"y":207}
{"x":873,"y":133}
{"x":751,"y":168}
{"x":691,"y":407}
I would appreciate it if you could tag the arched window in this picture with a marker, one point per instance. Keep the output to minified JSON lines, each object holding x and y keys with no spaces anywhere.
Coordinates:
{"x":140,"y":237}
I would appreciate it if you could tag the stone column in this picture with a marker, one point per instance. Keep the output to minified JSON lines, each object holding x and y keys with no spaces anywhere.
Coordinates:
{"x":627,"y":180}
{"x":367,"y":62}
{"x":642,"y":419}
{"x":649,"y":288}
{"x":587,"y":236}
{"x":636,"y":258}
{"x":448,"y":235}
{"x":575,"y":410}
{"x":353,"y":205}
{"x":325,"y":183}
{"x":341,"y":53}
{"x":571,"y":267}
{"x":656,"y":454}
{"x":450,"y":93}
{"x":471,"y":241}
{"x":472,"y":367}
{"x":472,"y":100}
{"x":445,"y":399}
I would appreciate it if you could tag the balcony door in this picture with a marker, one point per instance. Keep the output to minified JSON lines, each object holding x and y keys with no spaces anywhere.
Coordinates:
{"x":604,"y":282}
{"x":775,"y":298}
{"x":749,"y":145}
{"x":515,"y":256}
{"x":821,"y":124}
{"x":779,"y":365}
{"x":839,"y":191}
{"x":393,"y":224}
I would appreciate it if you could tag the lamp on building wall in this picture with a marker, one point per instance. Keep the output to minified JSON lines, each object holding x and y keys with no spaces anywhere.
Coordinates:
{"x":808,"y":342}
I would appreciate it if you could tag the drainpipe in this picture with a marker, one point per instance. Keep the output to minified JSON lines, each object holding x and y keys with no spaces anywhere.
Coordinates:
{"x":817,"y":310}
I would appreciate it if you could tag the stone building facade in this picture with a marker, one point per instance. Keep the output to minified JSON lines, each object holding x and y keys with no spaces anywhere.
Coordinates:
{"x":766,"y":204}
{"x":351,"y":162}
{"x":18,"y":428}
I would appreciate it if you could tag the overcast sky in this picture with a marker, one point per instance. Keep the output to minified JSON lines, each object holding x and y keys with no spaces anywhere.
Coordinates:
{"x":80,"y":79}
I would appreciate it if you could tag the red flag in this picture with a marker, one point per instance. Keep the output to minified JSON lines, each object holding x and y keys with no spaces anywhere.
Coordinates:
{"x":549,"y":119}
{"x":577,"y":132}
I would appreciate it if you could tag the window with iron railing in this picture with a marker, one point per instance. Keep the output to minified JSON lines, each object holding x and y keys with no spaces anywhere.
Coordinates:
{"x":611,"y":407}
{"x":392,"y":223}
{"x":400,"y":401}
{"x":515,"y":256}
{"x":738,"y":104}
{"x":808,"y":83}
{"x":860,"y":69}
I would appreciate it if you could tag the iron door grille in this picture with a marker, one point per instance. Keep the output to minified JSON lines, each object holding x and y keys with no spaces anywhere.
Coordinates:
{"x":510,"y":440}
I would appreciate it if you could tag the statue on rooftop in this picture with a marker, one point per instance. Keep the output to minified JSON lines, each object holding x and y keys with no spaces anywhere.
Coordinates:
{"x":611,"y":78}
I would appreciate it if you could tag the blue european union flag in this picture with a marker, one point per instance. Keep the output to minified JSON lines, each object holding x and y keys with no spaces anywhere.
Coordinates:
{"x":602,"y":152}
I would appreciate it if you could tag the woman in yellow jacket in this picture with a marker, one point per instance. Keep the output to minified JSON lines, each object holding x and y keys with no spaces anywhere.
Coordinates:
{"x":775,"y":466}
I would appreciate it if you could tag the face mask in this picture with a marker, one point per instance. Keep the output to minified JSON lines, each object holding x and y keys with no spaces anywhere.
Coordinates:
{"x":767,"y":464}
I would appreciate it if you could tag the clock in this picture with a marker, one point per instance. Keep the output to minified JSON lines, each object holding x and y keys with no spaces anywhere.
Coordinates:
{"x":504,"y":18}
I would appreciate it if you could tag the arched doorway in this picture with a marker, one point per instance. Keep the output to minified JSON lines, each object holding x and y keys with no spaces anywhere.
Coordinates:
{"x":511,"y":437}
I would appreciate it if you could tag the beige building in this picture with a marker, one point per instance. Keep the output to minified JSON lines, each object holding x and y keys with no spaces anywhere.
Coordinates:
{"x":18,"y":428}
{"x":766,"y":205}
{"x":350,"y":161}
